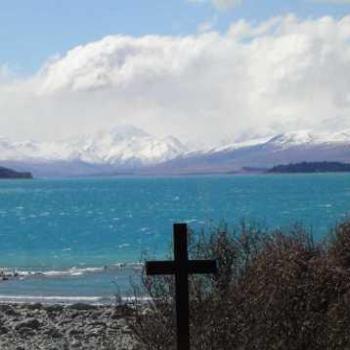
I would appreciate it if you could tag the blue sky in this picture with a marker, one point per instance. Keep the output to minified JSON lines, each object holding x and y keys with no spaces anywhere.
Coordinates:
{"x":33,"y":30}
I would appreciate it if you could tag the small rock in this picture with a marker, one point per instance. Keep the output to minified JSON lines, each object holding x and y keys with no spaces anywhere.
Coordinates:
{"x":8,"y":310}
{"x":3,"y":330}
{"x":55,"y":308}
{"x":76,"y":345}
{"x":75,"y":314}
{"x":30,"y":323}
{"x":98,"y":324}
{"x":82,"y":307}
{"x":74,"y":333}
{"x":122,"y":310}
{"x":54,"y":333}
{"x":36,"y":306}
{"x":26,"y":331}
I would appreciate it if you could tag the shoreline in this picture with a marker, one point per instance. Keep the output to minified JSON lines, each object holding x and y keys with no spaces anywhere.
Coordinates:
{"x":71,"y":300}
{"x":91,"y":285}
{"x":29,"y":326}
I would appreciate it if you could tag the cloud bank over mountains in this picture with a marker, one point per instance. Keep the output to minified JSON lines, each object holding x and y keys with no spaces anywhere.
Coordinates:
{"x":251,"y":81}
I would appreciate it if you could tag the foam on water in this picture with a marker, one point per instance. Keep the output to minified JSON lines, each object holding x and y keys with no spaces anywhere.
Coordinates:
{"x":68,"y":300}
{"x":74,"y":271}
{"x":53,"y":299}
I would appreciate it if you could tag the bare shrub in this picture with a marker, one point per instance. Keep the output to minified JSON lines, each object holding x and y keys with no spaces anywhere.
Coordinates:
{"x":273,"y":290}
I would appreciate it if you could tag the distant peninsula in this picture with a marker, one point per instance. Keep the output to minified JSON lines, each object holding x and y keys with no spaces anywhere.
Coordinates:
{"x":311,"y":167}
{"x":6,"y":173}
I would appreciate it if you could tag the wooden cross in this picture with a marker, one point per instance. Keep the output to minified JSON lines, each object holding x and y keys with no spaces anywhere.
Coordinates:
{"x":181,"y":267}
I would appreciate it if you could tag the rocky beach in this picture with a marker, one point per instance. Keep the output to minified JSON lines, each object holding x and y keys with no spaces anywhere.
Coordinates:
{"x":65,"y":327}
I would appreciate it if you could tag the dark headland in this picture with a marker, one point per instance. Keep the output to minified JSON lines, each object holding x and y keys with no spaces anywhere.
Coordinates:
{"x":6,"y":173}
{"x":311,"y":167}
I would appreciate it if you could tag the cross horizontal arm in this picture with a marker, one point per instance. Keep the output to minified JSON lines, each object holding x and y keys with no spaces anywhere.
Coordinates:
{"x":169,"y":267}
{"x":202,"y":266}
{"x":160,"y":267}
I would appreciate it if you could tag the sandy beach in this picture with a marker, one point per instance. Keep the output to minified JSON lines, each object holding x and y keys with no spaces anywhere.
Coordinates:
{"x":56,"y":327}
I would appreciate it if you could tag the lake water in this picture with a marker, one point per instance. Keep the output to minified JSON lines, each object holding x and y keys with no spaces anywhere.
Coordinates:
{"x":82,"y":239}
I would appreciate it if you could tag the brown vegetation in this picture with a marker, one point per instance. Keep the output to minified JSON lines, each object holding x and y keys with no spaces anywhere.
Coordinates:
{"x":274,"y":290}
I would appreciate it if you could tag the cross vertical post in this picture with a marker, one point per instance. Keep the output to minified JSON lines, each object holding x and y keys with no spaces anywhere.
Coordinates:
{"x":181,"y":267}
{"x":181,"y":286}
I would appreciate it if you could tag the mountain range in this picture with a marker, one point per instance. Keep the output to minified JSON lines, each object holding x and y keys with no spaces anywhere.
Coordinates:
{"x":129,"y":150}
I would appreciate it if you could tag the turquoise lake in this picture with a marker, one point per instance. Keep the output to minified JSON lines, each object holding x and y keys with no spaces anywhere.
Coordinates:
{"x":82,"y":239}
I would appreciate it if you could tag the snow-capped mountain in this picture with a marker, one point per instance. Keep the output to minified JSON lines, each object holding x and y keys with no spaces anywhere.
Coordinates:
{"x":130,"y":150}
{"x":290,"y":147}
{"x":305,"y":137}
{"x":122,"y":148}
{"x":292,"y":139}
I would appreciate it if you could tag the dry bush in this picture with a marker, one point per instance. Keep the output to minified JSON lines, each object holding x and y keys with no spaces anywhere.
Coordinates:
{"x":273,"y":290}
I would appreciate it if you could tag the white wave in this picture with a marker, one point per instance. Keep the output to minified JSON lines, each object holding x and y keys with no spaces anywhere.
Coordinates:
{"x":55,"y":298}
{"x":73,"y":272}
{"x":120,"y":266}
{"x":123,"y":245}
{"x":67,"y":300}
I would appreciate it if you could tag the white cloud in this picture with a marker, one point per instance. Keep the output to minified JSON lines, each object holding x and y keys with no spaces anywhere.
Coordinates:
{"x":275,"y":76}
{"x":208,"y":25}
{"x":226,"y":4}
{"x":5,"y":73}
{"x":339,"y":2}
{"x":221,"y":4}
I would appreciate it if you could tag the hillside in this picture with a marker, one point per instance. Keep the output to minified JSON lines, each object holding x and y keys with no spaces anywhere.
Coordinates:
{"x":6,"y":173}
{"x":292,"y":147}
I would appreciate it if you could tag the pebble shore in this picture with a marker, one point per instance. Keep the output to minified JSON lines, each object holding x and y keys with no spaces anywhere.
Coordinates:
{"x":64,"y":327}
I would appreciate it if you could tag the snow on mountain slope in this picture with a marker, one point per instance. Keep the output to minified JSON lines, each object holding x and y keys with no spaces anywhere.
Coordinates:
{"x":304,"y":137}
{"x":128,"y":149}
{"x":237,"y":145}
{"x":127,"y":146}
{"x":291,"y":139}
{"x":296,"y":146}
{"x":121,"y":146}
